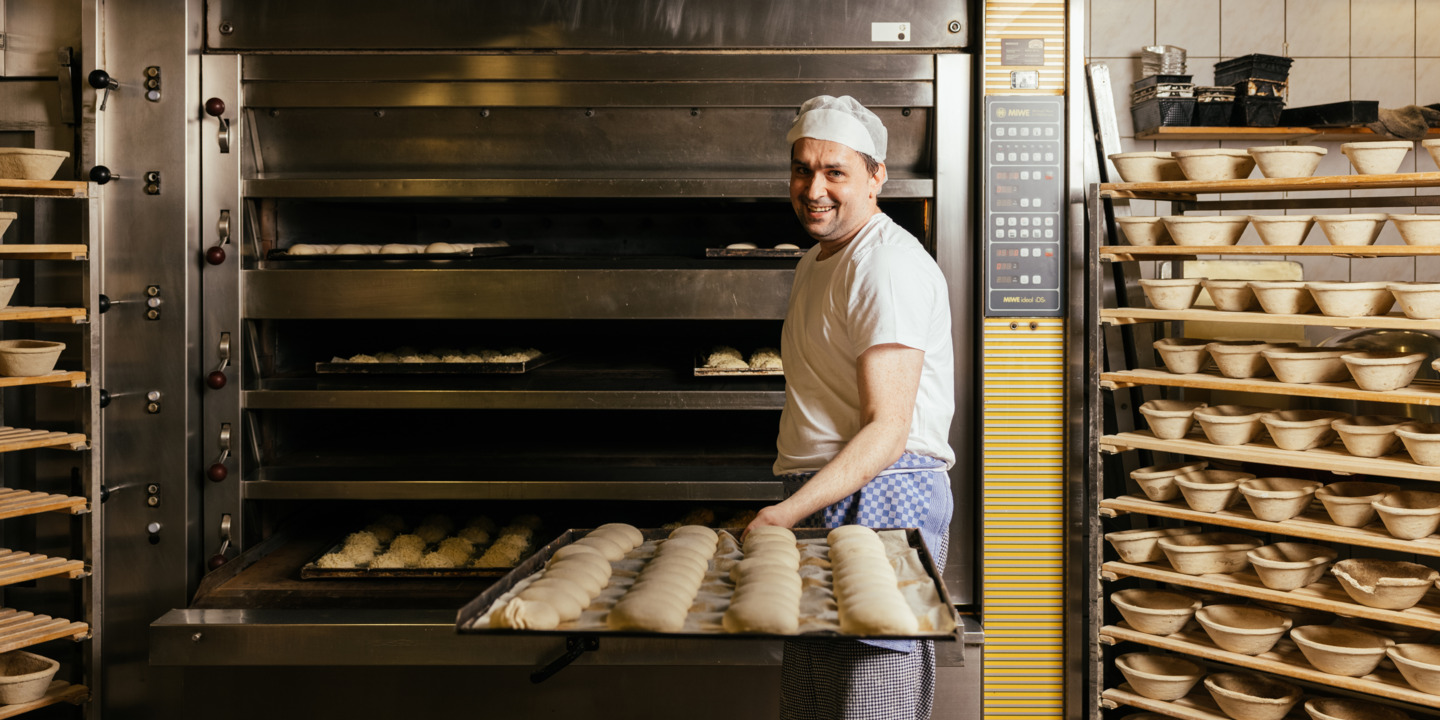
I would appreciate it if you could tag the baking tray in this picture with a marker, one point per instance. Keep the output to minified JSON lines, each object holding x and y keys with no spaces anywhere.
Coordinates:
{"x":441,"y":368}
{"x":477,"y":607}
{"x":311,"y":571}
{"x":755,"y":253}
{"x":702,"y":371}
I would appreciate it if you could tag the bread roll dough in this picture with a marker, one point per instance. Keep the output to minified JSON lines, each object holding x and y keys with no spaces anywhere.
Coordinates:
{"x":565,"y":606}
{"x":650,"y":611}
{"x":636,"y":537}
{"x":440,"y":247}
{"x":354,"y":249}
{"x":607,"y":547}
{"x":766,"y":531}
{"x":304,"y":249}
{"x":616,"y":536}
{"x":569,"y":587}
{"x":398,"y":249}
{"x":586,"y":581}
{"x":699,"y":531}
{"x":599,"y":573}
{"x":850,"y":531}
{"x":762,"y":616}
{"x":577,"y":549}
{"x":878,"y":618}
{"x":525,"y":615}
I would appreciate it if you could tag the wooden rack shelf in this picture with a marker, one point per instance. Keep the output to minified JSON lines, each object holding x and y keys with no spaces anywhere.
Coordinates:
{"x":1188,"y":189}
{"x":1266,"y":134}
{"x":17,"y":503}
{"x":43,"y":252}
{"x":1285,"y":659}
{"x":1333,"y":458}
{"x":12,"y":439}
{"x":43,"y":314}
{"x":1126,"y":253}
{"x":1393,"y":321}
{"x":44,"y":188}
{"x":58,"y":378}
{"x":1198,"y":705}
{"x":1312,"y":524}
{"x":58,"y":692}
{"x":1420,"y":392}
{"x":18,"y":567}
{"x":1325,"y":595}
{"x":20,"y":629}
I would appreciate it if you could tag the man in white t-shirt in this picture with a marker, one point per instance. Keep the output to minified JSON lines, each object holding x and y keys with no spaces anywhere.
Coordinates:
{"x":869,"y":395}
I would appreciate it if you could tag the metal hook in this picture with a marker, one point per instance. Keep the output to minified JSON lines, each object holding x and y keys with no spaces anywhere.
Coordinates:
{"x":224,"y":352}
{"x":224,"y":443}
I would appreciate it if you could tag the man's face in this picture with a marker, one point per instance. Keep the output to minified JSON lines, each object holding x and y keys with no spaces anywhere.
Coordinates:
{"x":831,"y":191}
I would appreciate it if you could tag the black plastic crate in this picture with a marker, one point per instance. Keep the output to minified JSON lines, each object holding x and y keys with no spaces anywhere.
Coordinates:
{"x":1215,"y":113}
{"x":1340,"y":114}
{"x":1264,"y":67}
{"x":1168,"y":112}
{"x":1256,"y":111}
{"x":1263,"y":88}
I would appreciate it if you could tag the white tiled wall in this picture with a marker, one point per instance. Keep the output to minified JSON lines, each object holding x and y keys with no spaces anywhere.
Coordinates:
{"x":1385,"y":50}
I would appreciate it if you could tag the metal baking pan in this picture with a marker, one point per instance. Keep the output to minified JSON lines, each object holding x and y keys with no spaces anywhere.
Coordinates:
{"x":479,"y":253}
{"x":754,"y":253}
{"x":440,"y":368}
{"x":702,"y":371}
{"x":477,"y":607}
{"x":311,"y":571}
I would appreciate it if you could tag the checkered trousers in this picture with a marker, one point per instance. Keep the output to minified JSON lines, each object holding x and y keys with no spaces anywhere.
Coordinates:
{"x":838,"y":680}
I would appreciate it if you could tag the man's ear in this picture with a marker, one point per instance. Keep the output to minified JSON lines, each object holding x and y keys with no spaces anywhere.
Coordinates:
{"x":878,"y":180}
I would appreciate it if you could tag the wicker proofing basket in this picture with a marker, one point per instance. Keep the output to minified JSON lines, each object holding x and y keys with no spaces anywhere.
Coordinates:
{"x":30,"y":164}
{"x":27,"y":358}
{"x":24,"y":676}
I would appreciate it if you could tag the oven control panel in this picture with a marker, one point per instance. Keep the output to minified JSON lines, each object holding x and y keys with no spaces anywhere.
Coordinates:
{"x":1024,"y":154}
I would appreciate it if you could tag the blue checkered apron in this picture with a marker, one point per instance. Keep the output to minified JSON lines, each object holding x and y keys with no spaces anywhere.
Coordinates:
{"x":872,"y":679}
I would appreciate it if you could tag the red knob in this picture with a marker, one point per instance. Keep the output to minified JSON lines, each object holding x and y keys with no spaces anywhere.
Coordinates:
{"x":216,"y":561}
{"x":215,"y":255}
{"x":218,"y":472}
{"x":214,"y":107}
{"x":215,"y":380}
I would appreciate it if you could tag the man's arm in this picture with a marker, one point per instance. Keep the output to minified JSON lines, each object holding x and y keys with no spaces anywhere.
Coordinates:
{"x":889,"y":378}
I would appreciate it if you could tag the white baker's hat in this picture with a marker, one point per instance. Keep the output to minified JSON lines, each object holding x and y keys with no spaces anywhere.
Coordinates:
{"x":843,"y":120}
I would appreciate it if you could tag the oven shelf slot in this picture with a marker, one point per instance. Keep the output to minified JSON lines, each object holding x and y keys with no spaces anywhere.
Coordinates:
{"x":18,"y":567}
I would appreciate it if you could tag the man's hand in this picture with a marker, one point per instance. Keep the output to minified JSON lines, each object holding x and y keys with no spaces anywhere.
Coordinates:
{"x":774,"y":515}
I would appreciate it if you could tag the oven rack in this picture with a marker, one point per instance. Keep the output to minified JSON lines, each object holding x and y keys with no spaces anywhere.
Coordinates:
{"x":1419,"y":392}
{"x":1285,"y":659}
{"x":1333,"y":458}
{"x":274,"y":186}
{"x":1312,"y":524}
{"x":442,"y":397}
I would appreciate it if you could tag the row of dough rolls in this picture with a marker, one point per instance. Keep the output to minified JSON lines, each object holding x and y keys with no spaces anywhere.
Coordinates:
{"x":865,"y":585}
{"x":668,"y":584}
{"x":573,"y":578}
{"x":767,"y":585}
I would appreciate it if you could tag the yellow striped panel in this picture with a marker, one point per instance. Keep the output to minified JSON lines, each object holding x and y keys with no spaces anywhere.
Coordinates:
{"x":1042,"y":20}
{"x":1023,"y":504}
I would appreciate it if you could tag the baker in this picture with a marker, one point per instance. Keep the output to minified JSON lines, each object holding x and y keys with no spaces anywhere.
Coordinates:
{"x":869,"y":395}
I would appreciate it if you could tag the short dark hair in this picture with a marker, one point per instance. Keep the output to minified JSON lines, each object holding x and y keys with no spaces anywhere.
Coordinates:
{"x":872,"y":165}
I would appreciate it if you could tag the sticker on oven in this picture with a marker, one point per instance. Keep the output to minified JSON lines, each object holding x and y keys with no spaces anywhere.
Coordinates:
{"x":889,"y":32}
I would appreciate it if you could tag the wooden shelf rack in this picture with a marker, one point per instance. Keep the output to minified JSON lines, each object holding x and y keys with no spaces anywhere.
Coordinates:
{"x":1188,"y":189}
{"x":20,"y":629}
{"x":44,"y":252}
{"x":1198,"y":705}
{"x":1420,"y":392}
{"x":58,"y":378}
{"x":1333,"y":458}
{"x":1126,"y":253}
{"x":1325,"y":595}
{"x":1284,"y":659}
{"x":43,"y":314}
{"x":1268,"y":134}
{"x":45,"y":188}
{"x":1312,"y":524}
{"x":1393,"y":321}
{"x":18,"y":567}
{"x":12,"y":439}
{"x":18,"y":503}
{"x":58,"y":692}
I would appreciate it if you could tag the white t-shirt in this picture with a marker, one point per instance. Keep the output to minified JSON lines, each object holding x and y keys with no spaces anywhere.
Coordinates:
{"x":881,"y":288}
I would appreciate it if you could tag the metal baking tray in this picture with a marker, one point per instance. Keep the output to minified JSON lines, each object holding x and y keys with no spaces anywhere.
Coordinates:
{"x":311,"y":571}
{"x":702,"y":371}
{"x":755,"y":253}
{"x":440,"y":368}
{"x":477,"y":607}
{"x":284,"y":256}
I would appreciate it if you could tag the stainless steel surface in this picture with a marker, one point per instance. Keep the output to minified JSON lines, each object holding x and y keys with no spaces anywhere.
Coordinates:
{"x":954,"y":253}
{"x":461,"y":25}
{"x":539,"y":293}
{"x":692,"y":67}
{"x":461,"y":188}
{"x":150,"y":237}
{"x":492,"y":94}
{"x":427,"y":638}
{"x":32,"y":31}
